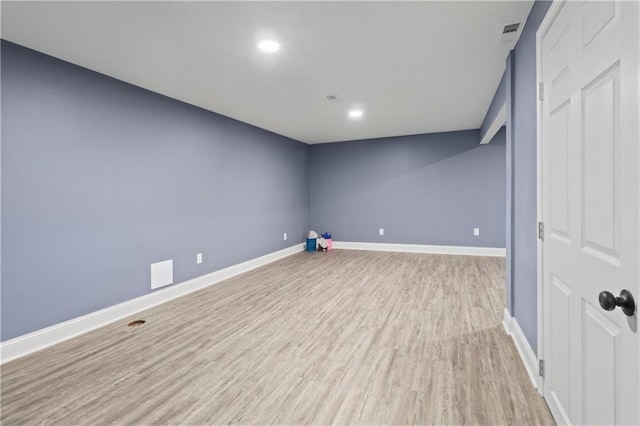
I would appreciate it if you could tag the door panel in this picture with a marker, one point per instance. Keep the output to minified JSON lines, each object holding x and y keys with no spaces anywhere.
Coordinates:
{"x":597,"y":18}
{"x":559,"y":167}
{"x":601,"y":348}
{"x":560,"y":72}
{"x":560,"y":299}
{"x":600,"y":174}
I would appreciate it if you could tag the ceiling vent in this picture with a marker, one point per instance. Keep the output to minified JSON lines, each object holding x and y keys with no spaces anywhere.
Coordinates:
{"x":511,"y":28}
{"x":509,"y":31}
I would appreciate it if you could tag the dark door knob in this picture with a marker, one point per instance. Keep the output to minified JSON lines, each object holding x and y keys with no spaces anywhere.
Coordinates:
{"x":609,"y":302}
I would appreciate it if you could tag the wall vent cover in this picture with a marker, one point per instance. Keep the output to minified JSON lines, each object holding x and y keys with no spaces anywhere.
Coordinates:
{"x":507,"y":32}
{"x":511,"y":28}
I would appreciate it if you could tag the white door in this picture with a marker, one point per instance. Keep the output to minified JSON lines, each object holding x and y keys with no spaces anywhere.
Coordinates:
{"x":591,"y":210}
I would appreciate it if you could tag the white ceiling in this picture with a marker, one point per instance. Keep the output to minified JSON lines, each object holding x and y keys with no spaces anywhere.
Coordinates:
{"x":413,"y":67}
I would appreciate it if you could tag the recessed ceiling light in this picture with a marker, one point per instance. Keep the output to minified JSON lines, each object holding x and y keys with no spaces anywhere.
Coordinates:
{"x":269,"y":46}
{"x":355,"y":113}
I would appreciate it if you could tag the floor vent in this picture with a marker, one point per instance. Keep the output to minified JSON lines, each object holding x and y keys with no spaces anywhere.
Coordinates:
{"x":136,"y":323}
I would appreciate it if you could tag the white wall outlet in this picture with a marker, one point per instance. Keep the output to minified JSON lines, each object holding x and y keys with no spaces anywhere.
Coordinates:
{"x":161,"y":273}
{"x":199,"y":258}
{"x":285,"y":236}
{"x":476,"y":231}
{"x":381,"y":231}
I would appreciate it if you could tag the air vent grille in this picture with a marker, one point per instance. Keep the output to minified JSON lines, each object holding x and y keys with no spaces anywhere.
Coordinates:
{"x":511,"y":28}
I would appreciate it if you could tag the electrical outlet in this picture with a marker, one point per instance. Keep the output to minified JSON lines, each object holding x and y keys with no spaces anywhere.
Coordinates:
{"x":199,"y":258}
{"x":476,"y":231}
{"x":381,"y":231}
{"x":285,"y":236}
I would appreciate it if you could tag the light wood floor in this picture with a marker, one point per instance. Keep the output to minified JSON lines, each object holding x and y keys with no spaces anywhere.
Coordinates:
{"x":345,"y":337}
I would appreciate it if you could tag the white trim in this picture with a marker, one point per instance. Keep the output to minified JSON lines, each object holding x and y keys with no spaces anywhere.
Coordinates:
{"x":506,"y":321}
{"x":420,"y":248}
{"x":521,"y":343}
{"x":527,"y":355}
{"x":544,"y":26}
{"x":499,"y":121}
{"x":40,"y":339}
{"x":638,"y":230}
{"x":539,"y":210}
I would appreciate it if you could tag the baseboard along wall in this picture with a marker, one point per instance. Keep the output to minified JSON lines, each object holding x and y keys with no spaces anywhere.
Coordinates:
{"x":528,"y":357}
{"x":420,"y":248}
{"x":41,"y":339}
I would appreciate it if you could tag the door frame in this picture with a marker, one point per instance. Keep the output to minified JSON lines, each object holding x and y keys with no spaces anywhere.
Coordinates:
{"x":542,"y":313}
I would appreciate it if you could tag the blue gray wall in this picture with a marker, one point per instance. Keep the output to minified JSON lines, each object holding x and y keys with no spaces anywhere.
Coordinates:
{"x":424,"y":189}
{"x":100,"y":179}
{"x":521,"y":240}
{"x":524,"y":176}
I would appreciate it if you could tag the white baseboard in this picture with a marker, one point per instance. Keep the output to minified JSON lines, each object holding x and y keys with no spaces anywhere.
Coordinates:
{"x":40,"y":339}
{"x":506,"y":321}
{"x":420,"y":248}
{"x":529,"y":358}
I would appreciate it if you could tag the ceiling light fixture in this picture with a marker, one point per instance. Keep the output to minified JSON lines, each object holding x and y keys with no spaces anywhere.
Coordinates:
{"x":355,"y":113}
{"x":269,"y":46}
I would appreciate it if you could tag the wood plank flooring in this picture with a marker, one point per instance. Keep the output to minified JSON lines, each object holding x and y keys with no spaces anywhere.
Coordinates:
{"x":345,"y":337}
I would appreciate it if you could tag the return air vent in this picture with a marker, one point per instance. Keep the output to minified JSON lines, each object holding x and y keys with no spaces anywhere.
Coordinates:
{"x":508,"y":31}
{"x":511,"y":28}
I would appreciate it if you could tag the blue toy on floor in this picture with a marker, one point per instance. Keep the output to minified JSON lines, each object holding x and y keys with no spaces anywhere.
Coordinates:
{"x":311,"y":244}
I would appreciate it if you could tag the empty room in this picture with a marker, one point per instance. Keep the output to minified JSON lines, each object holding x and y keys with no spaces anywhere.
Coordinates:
{"x":320,"y":212}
